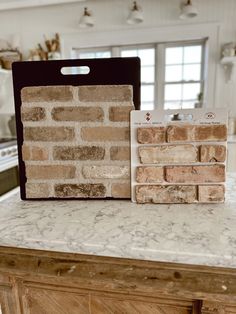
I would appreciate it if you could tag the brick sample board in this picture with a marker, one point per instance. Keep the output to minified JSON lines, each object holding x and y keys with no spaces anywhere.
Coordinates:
{"x":74,"y":132}
{"x":178,"y":157}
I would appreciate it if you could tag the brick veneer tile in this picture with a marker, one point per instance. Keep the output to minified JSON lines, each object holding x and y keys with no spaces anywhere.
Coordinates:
{"x":105,"y":133}
{"x":211,"y":193}
{"x":195,"y":174}
{"x":77,"y":114}
{"x":106,"y":172}
{"x":78,"y":153}
{"x":33,"y":114}
{"x":109,"y":93}
{"x":166,"y":194}
{"x":168,"y":154}
{"x":120,"y":153}
{"x":46,"y":94}
{"x":150,"y":174}
{"x":191,"y":133}
{"x":121,"y":190}
{"x":212,"y":153}
{"x":80,"y":190}
{"x":49,"y":134}
{"x":117,"y":114}
{"x":50,"y":172}
{"x":152,"y":135}
{"x":37,"y":190}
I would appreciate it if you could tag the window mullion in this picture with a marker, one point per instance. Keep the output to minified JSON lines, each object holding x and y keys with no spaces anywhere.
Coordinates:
{"x":160,"y":76}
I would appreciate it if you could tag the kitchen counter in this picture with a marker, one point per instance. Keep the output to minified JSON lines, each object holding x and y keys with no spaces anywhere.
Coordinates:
{"x":191,"y":234}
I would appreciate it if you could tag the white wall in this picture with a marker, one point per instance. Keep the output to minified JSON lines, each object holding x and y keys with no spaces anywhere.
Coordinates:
{"x":110,"y":15}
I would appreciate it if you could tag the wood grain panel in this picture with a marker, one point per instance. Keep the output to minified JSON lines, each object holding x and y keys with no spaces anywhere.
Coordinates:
{"x":42,"y":301}
{"x":102,"y":305}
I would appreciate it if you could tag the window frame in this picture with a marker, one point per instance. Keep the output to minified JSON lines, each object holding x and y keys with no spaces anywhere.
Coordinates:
{"x":203,"y":78}
{"x":159,"y":33}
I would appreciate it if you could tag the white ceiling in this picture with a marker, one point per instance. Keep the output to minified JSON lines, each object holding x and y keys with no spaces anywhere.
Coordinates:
{"x":18,"y":4}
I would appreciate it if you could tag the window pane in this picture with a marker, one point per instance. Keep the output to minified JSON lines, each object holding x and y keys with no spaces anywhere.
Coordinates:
{"x":103,"y":54}
{"x":192,"y":54}
{"x":173,"y":73}
{"x":192,"y":72}
{"x":147,"y":106}
{"x":174,"y":55}
{"x":86,"y":55}
{"x":129,"y":53}
{"x":172,"y":105}
{"x":173,"y":92}
{"x":147,"y":93}
{"x":147,"y":56}
{"x":147,"y":74}
{"x":188,"y":104}
{"x":191,"y":91}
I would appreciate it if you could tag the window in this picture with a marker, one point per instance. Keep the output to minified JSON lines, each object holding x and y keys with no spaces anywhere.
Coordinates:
{"x":183,"y":76}
{"x":172,"y":75}
{"x":147,"y":56}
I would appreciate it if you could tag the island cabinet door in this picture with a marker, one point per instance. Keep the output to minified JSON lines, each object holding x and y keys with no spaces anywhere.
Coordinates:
{"x":48,"y":299}
{"x":8,"y":300}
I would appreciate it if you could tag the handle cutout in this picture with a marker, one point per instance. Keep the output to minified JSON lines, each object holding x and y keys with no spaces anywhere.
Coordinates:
{"x":78,"y":70}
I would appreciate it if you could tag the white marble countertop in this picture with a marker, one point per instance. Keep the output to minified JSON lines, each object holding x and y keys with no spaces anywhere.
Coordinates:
{"x":192,"y":234}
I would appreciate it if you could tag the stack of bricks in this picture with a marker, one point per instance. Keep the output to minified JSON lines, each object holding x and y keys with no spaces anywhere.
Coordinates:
{"x":76,"y":141}
{"x":181,"y":163}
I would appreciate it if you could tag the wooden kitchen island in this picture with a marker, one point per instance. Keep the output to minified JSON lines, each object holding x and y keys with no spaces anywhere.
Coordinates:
{"x":101,"y":257}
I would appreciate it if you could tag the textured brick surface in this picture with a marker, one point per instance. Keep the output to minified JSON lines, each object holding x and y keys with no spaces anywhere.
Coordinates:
{"x":121,"y":190}
{"x":37,"y":190}
{"x":105,"y":93}
{"x":195,"y":174}
{"x":80,"y":190}
{"x":191,"y":133}
{"x":78,"y":153}
{"x":211,"y":193}
{"x":50,"y":172}
{"x":48,"y":134}
{"x":212,"y":153}
{"x":32,"y":114}
{"x":34,"y":153}
{"x":77,"y":114}
{"x":168,"y":154}
{"x":152,"y":135}
{"x":46,"y":93}
{"x":166,"y":194}
{"x":122,"y":113}
{"x":106,"y":172}
{"x":149,"y":174}
{"x":76,"y":139}
{"x":120,"y":153}
{"x":105,"y":133}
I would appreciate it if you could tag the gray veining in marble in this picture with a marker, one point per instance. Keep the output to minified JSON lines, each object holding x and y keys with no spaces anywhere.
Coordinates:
{"x":192,"y":234}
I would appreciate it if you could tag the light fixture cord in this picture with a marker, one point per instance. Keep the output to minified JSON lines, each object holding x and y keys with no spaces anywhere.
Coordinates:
{"x":86,"y":12}
{"x":135,"y":6}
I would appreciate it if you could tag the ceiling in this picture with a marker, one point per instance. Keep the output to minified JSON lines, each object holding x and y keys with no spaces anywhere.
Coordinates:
{"x":18,"y":4}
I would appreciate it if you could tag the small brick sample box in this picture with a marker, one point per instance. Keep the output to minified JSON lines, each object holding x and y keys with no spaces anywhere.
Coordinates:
{"x":178,"y":157}
{"x":74,"y":139}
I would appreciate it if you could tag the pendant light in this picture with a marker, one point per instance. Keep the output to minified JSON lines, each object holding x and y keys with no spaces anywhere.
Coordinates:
{"x":136,"y":15}
{"x":86,"y":19}
{"x":188,"y":10}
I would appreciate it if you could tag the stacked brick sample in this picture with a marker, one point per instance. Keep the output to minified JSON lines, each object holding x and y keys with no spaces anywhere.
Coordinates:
{"x":178,"y":162}
{"x":76,"y":141}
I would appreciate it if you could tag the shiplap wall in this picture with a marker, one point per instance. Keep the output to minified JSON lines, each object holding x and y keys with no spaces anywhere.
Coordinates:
{"x":32,"y":23}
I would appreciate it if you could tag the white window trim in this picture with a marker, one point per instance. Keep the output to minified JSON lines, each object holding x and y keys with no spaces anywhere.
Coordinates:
{"x":162,"y":64}
{"x":93,"y":39}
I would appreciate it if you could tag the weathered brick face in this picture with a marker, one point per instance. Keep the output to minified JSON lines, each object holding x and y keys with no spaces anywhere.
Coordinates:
{"x":76,"y":141}
{"x":180,"y":163}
